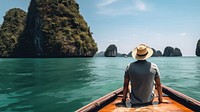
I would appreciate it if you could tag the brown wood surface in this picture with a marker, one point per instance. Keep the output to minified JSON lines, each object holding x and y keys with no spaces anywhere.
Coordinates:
{"x":108,"y":103}
{"x":173,"y":106}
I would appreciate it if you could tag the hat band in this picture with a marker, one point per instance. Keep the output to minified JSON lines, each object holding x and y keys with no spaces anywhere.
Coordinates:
{"x":142,"y":54}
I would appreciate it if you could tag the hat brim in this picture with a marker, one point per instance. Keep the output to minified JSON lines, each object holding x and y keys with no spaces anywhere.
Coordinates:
{"x":148,"y":55}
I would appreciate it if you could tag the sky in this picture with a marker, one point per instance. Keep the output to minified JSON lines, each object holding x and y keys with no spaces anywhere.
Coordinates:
{"x":128,"y":23}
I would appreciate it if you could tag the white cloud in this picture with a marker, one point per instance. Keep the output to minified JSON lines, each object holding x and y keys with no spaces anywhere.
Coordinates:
{"x":106,"y":2}
{"x":113,"y":41}
{"x":140,"y":5}
{"x":158,"y":34}
{"x":115,"y":12}
{"x":121,"y":7}
{"x":183,"y":34}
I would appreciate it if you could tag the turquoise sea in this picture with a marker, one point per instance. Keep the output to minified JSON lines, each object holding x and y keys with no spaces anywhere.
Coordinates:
{"x":66,"y":84}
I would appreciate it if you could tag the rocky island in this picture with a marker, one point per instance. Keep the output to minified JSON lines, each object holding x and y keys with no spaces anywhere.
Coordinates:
{"x":168,"y":52}
{"x":111,"y":51}
{"x":11,"y":30}
{"x":54,"y":28}
{"x":157,"y":53}
{"x":171,"y":52}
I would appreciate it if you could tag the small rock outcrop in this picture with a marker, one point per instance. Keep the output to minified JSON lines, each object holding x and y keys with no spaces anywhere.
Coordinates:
{"x":129,"y":54}
{"x":99,"y":54}
{"x":54,"y":28}
{"x":121,"y":55}
{"x":10,"y":31}
{"x":171,"y":52}
{"x":111,"y":51}
{"x":157,"y":53}
{"x":198,"y":48}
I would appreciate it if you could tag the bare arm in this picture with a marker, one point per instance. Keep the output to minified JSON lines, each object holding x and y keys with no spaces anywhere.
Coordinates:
{"x":159,"y":89}
{"x":125,"y":88}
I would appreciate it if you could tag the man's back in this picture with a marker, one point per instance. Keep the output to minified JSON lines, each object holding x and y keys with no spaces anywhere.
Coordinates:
{"x":141,"y":74}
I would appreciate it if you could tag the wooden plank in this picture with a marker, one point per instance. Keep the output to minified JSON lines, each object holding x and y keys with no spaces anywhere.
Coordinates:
{"x":101,"y":102}
{"x":182,"y":98}
{"x":163,"y":107}
{"x":179,"y":102}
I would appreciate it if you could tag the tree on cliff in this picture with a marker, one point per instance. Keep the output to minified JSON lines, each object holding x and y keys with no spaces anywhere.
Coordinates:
{"x":198,"y":48}
{"x":56,"y":29}
{"x":11,"y":29}
{"x":111,"y":51}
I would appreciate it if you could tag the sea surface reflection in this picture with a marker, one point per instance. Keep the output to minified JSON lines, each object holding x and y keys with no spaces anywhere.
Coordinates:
{"x":66,"y":84}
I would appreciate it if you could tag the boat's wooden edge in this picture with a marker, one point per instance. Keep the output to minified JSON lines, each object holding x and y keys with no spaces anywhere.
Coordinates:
{"x":182,"y":98}
{"x":101,"y":102}
{"x":173,"y":94}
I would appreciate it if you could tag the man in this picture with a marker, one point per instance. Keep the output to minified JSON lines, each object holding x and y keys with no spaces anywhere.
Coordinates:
{"x":142,"y":75}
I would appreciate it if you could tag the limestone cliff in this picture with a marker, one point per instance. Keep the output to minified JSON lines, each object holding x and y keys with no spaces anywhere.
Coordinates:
{"x":111,"y":51}
{"x":56,"y":29}
{"x":198,"y":48}
{"x":171,"y":52}
{"x":12,"y":27}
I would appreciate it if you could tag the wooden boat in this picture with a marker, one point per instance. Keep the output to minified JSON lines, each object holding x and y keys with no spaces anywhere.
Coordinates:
{"x":178,"y":102}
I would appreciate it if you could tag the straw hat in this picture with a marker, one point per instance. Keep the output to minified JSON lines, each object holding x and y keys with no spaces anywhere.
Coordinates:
{"x":142,"y":52}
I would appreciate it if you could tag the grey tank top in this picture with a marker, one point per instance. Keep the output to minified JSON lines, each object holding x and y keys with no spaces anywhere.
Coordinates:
{"x":142,"y":74}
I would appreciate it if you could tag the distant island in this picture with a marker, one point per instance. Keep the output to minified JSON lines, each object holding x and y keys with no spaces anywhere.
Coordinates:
{"x":111,"y":51}
{"x":172,"y":52}
{"x":51,"y":28}
{"x":157,"y":53}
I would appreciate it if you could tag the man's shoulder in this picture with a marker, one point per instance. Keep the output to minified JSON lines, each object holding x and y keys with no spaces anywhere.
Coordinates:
{"x":132,"y":63}
{"x":154,"y":65}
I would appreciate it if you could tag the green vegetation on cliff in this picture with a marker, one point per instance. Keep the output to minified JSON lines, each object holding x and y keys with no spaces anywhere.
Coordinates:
{"x":56,"y":29}
{"x":11,"y":29}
